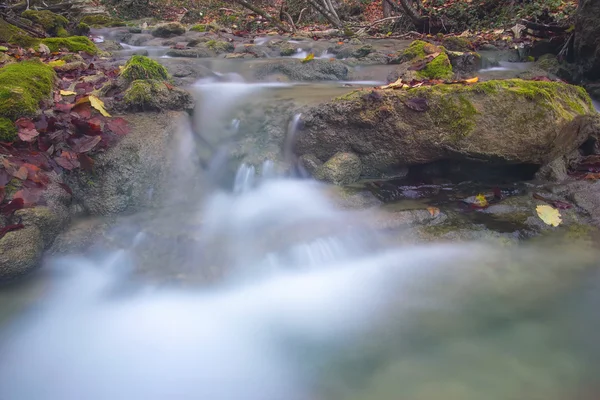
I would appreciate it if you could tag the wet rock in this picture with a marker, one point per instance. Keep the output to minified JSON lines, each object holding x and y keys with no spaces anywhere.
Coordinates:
{"x":340,"y":169}
{"x":134,"y":173}
{"x":295,"y":70}
{"x":153,"y":95}
{"x":20,"y":252}
{"x":45,"y":219}
{"x":139,"y":40}
{"x":310,"y":163}
{"x":185,"y":68}
{"x":504,"y":122}
{"x":196,"y":52}
{"x":168,"y":30}
{"x":252,"y":49}
{"x":586,"y":194}
{"x":110,"y":46}
{"x":353,"y":199}
{"x":465,"y":64}
{"x":554,"y":171}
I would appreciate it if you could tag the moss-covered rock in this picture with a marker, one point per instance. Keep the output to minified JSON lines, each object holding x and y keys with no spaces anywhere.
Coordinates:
{"x":72,"y":43}
{"x":101,"y":20}
{"x":205,"y":28}
{"x":220,"y":46}
{"x":9,"y":33}
{"x":511,"y":121}
{"x":428,"y":60}
{"x":153,"y":95}
{"x":52,"y":23}
{"x":8,"y":131}
{"x":82,"y":29}
{"x":169,"y":30}
{"x":142,"y":67}
{"x":287,"y":50}
{"x":20,"y":252}
{"x":456,"y":43}
{"x":341,"y":169}
{"x":22,"y":86}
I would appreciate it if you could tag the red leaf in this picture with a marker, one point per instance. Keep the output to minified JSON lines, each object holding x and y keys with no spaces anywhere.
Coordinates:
{"x":118,"y":126}
{"x":2,"y":193}
{"x":87,"y":164}
{"x":27,"y":131}
{"x":84,"y":110}
{"x":66,"y":187}
{"x":21,"y":173}
{"x":85,"y":143}
{"x":67,"y":160}
{"x":9,"y":228}
{"x":62,"y":107}
{"x":12,"y":206}
{"x":84,"y":87}
{"x":41,"y":125}
{"x":4,"y":177}
{"x":30,"y":196}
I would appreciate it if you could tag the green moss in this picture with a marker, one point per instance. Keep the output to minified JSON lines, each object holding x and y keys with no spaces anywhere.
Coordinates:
{"x":72,"y":43}
{"x":22,"y":86}
{"x":141,"y":67}
{"x":8,"y":131}
{"x":101,"y":20}
{"x":82,"y":29}
{"x":62,"y":32}
{"x":142,"y":94}
{"x":51,"y":22}
{"x":438,"y":68}
{"x":168,"y":30}
{"x":419,"y":49}
{"x":219,"y":46}
{"x":456,"y":43}
{"x":24,"y":40}
{"x":200,"y":28}
{"x":456,"y":114}
{"x":287,"y":51}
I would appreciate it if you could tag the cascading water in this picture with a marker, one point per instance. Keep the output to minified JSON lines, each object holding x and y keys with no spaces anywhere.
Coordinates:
{"x":310,"y":304}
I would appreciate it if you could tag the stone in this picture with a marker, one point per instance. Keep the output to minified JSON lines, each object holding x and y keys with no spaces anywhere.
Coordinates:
{"x":587,"y":39}
{"x":20,"y":252}
{"x":296,"y":70}
{"x":168,"y":30}
{"x":340,"y":169}
{"x":47,"y":221}
{"x":197,"y":52}
{"x":504,"y":122}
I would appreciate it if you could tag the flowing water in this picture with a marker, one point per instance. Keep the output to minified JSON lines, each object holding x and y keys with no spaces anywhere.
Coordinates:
{"x":309,"y":303}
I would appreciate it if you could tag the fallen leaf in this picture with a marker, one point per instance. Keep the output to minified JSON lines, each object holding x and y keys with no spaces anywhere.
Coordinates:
{"x":12,"y":206}
{"x":393,"y":85}
{"x":9,"y":228}
{"x":30,"y":196}
{"x":434,"y":211}
{"x":57,"y":63}
{"x":118,"y":126}
{"x":21,"y":173}
{"x":86,"y":162}
{"x":417,"y":104}
{"x":592,"y":176}
{"x":85,"y":143}
{"x":27,"y":131}
{"x":2,"y":193}
{"x":471,"y":80}
{"x":308,"y":58}
{"x":548,"y":214}
{"x":480,"y":201}
{"x":561,"y":205}
{"x":98,"y":105}
{"x":68,"y":160}
{"x":67,"y":93}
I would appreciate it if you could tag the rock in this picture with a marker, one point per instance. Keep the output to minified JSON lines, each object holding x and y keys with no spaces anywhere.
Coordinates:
{"x":465,"y":64}
{"x":505,"y":122}
{"x":554,"y":171}
{"x":197,"y":52}
{"x":310,"y":163}
{"x":340,"y":169}
{"x":185,"y":68}
{"x":52,"y":23}
{"x":587,"y":43}
{"x":168,"y":30}
{"x":134,"y":173}
{"x":71,"y":66}
{"x":47,"y":221}
{"x":433,"y":60}
{"x":141,"y":67}
{"x":353,"y":199}
{"x":20,"y":252}
{"x":548,"y":63}
{"x":295,"y":70}
{"x":456,"y":43}
{"x":140,"y":40}
{"x":586,"y":194}
{"x":110,"y":46}
{"x":153,"y":95}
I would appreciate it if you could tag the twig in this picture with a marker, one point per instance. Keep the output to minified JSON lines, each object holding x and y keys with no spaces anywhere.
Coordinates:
{"x":325,"y":13}
{"x":263,"y":14}
{"x":300,"y":16}
{"x":228,"y":10}
{"x":564,"y":52}
{"x":366,"y":28}
{"x":543,"y":27}
{"x":290,"y":20}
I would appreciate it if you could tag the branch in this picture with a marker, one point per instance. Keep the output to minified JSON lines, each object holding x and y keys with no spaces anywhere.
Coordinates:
{"x":291,"y":21}
{"x":332,"y":10}
{"x":543,"y":27}
{"x":415,"y":17}
{"x":325,"y":13}
{"x":366,"y":28}
{"x":260,"y":12}
{"x":300,"y":16}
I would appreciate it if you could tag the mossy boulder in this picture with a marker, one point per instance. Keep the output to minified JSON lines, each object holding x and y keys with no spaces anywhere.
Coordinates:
{"x":9,"y":33}
{"x":22,"y":86}
{"x":205,"y":28}
{"x":153,"y":95}
{"x":168,"y":30}
{"x":52,"y":23}
{"x":456,"y":43}
{"x":8,"y":131}
{"x":72,"y":43}
{"x":81,"y":29}
{"x":142,"y":67}
{"x":20,"y":252}
{"x":341,"y":169}
{"x":220,"y":46}
{"x":426,"y":60}
{"x":505,"y":122}
{"x":101,"y":20}
{"x":296,"y":70}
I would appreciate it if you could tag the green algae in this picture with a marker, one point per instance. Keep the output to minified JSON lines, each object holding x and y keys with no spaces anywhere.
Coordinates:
{"x":22,"y":86}
{"x":72,"y":43}
{"x":142,"y":67}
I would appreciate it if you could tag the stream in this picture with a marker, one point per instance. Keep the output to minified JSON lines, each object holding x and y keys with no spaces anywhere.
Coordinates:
{"x":275,"y":292}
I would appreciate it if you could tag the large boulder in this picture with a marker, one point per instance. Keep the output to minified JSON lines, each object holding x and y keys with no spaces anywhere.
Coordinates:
{"x":134,"y":172}
{"x":296,"y":70}
{"x":503,"y":122}
{"x":587,"y":39}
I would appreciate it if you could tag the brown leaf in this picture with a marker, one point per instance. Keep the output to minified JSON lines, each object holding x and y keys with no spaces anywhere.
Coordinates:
{"x":27,"y":131}
{"x":21,"y":173}
{"x":12,"y":206}
{"x":434,"y":211}
{"x":86,"y":162}
{"x":118,"y":126}
{"x":68,"y":160}
{"x":85,"y":143}
{"x":9,"y":228}
{"x":2,"y":193}
{"x":30,"y":196}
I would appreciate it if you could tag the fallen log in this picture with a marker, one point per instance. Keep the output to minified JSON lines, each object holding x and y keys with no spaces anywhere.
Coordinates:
{"x":32,"y":30}
{"x":543,"y":27}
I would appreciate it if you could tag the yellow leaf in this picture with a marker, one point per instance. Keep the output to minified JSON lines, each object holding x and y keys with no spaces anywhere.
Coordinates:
{"x":67,"y":93}
{"x":308,"y":58}
{"x":480,"y":200}
{"x":98,"y":105}
{"x":472,"y":80}
{"x":57,"y":63}
{"x":396,"y":84}
{"x":550,"y":215}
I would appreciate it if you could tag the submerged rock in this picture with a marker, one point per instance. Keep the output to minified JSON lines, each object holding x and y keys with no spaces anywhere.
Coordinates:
{"x":296,"y":70}
{"x":505,"y":122}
